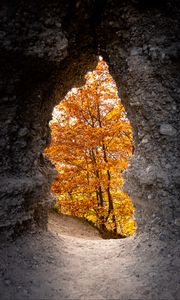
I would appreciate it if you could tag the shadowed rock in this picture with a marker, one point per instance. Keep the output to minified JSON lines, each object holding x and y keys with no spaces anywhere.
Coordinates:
{"x":46,"y":49}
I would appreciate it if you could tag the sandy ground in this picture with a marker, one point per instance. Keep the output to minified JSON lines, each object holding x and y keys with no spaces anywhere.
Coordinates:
{"x":71,"y":261}
{"x":71,"y":226}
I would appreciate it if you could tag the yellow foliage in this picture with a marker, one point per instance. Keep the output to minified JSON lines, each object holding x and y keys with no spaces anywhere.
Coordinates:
{"x":91,"y":145}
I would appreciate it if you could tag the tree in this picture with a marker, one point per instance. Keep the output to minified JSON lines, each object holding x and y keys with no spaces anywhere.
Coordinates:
{"x":91,"y":144}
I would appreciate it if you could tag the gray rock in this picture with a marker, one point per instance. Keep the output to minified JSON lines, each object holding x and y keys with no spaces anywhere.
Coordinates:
{"x":167,"y":129}
{"x":7,"y":282}
{"x":177,"y":222}
{"x":136,"y":51}
{"x":23,"y":132}
{"x":148,"y":176}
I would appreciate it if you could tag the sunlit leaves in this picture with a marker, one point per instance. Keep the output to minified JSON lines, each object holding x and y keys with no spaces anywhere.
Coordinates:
{"x":91,"y":145}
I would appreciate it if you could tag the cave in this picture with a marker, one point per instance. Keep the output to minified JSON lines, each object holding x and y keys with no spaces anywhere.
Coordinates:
{"x":42,"y":59}
{"x":46,"y":49}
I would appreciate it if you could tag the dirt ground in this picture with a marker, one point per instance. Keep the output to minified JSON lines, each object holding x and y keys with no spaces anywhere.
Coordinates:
{"x":71,"y":261}
{"x":71,"y":226}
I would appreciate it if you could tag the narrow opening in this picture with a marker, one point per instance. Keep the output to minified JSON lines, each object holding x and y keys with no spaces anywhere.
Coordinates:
{"x":91,"y":145}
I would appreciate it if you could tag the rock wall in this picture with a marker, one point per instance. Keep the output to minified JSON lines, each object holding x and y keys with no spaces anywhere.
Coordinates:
{"x":142,"y":47}
{"x":39,"y":65}
{"x":47,"y":47}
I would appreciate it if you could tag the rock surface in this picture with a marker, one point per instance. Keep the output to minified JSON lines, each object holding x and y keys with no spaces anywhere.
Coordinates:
{"x":43,"y":57}
{"x":46,"y":49}
{"x":141,"y":47}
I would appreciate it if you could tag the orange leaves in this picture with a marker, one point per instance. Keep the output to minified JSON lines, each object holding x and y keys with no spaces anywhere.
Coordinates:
{"x":91,"y":144}
{"x":124,"y":211}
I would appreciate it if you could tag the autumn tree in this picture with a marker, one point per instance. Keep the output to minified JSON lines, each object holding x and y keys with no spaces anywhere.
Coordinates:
{"x":91,"y":144}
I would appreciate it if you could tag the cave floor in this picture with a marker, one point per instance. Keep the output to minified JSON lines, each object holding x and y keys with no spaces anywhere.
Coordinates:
{"x":57,"y":265}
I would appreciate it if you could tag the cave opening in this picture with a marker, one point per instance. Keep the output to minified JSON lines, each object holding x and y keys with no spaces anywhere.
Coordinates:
{"x":91,"y":145}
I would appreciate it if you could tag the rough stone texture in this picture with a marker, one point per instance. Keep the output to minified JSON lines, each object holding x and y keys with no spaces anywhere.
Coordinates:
{"x":39,"y":65}
{"x":46,"y":48}
{"x":142,"y":48}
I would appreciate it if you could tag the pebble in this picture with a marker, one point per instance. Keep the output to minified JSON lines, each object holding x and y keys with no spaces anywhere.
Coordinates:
{"x":136,"y":51}
{"x":177,"y":222}
{"x":162,"y":237}
{"x":167,"y":129}
{"x":146,"y":292}
{"x":23,"y":131}
{"x":25,"y":292}
{"x":7,"y":282}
